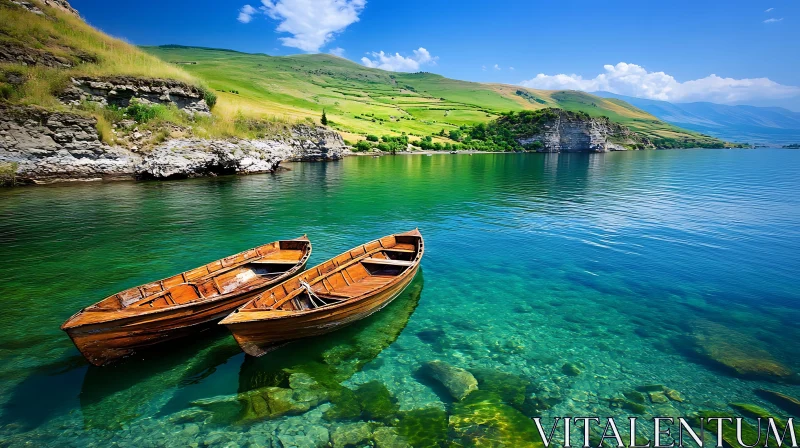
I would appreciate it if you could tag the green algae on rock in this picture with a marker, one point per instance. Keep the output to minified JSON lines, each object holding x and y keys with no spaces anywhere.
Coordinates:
{"x":344,"y":405}
{"x":622,"y":403}
{"x":674,"y":395}
{"x":755,"y":411}
{"x":749,"y":433}
{"x":740,"y":353}
{"x":267,"y":402}
{"x":351,"y":434}
{"x":570,"y":369}
{"x":483,"y":420}
{"x":658,"y":397}
{"x":423,"y":428}
{"x":634,"y":396}
{"x":377,"y":403}
{"x":386,"y":437}
{"x":511,"y":388}
{"x":783,"y":401}
{"x":456,"y":380}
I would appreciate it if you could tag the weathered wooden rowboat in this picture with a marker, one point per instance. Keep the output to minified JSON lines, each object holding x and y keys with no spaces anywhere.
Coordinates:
{"x":329,"y":296}
{"x":145,"y":315}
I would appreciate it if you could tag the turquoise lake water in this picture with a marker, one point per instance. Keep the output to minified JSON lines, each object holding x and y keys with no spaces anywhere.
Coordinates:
{"x":561,"y":282}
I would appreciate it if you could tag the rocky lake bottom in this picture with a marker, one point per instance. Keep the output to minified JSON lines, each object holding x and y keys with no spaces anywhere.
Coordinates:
{"x":657,"y":283}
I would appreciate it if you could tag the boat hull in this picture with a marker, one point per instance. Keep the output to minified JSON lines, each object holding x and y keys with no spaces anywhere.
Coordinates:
{"x":257,"y":338}
{"x":105,"y":342}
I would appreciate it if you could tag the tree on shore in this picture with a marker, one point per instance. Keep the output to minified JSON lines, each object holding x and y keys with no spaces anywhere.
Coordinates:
{"x":324,"y":119}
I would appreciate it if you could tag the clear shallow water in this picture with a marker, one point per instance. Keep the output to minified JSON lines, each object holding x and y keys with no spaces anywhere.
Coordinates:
{"x":609,"y":262}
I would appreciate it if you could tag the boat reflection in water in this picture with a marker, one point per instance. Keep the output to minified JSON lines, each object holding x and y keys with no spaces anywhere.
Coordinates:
{"x":327,"y":360}
{"x":169,"y":383}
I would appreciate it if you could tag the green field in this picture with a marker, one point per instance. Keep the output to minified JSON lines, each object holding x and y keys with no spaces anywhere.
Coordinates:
{"x":282,"y":91}
{"x":360,"y":100}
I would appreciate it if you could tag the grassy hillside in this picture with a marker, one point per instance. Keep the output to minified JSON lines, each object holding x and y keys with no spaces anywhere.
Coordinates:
{"x":39,"y":53}
{"x":361,"y":100}
{"x":68,"y":47}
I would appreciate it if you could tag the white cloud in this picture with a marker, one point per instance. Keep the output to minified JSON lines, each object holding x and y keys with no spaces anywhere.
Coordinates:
{"x":311,"y":23}
{"x":769,"y":9}
{"x":634,"y":80}
{"x":483,"y":67}
{"x":246,"y":14}
{"x":773,"y":20}
{"x":497,"y":67}
{"x":511,"y":68}
{"x":338,"y":51}
{"x":397,"y":63}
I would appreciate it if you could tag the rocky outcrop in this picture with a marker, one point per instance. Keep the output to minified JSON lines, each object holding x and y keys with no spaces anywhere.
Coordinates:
{"x":52,"y":146}
{"x":57,"y":146}
{"x":58,"y":4}
{"x":565,"y":131}
{"x":120,"y":90}
{"x":13,"y":53}
{"x":311,"y":144}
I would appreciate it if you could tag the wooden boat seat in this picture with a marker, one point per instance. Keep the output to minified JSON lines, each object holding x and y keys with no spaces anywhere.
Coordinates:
{"x":388,"y":262}
{"x":276,"y":261}
{"x":363,"y":286}
{"x":402,"y":251}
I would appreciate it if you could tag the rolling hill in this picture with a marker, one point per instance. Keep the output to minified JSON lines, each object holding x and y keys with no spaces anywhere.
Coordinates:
{"x":750,"y":124}
{"x":360,"y":100}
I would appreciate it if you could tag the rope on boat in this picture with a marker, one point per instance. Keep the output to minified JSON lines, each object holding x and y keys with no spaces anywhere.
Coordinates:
{"x":312,"y":295}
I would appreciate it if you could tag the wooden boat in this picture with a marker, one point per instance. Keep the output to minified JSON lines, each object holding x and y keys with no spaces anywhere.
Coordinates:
{"x":180,"y":305}
{"x":338,"y":292}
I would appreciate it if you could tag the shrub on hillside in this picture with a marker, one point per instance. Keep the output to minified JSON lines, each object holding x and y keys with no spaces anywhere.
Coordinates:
{"x":8,"y":174}
{"x":372,"y":138}
{"x":362,"y":146}
{"x":209,"y":96}
{"x":141,"y":113}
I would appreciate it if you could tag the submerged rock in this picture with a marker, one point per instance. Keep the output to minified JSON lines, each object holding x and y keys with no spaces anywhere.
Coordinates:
{"x":423,"y":428}
{"x":658,"y":397}
{"x":344,"y":405}
{"x":755,"y":411}
{"x":570,"y":369}
{"x":267,"y":402}
{"x":636,"y":408}
{"x":511,"y":388}
{"x":351,"y":434}
{"x":634,"y":396}
{"x":783,"y":401}
{"x":736,"y":351}
{"x":386,"y":437}
{"x":749,"y":434}
{"x":674,"y":395}
{"x":456,"y":380}
{"x":377,"y":403}
{"x":483,"y":420}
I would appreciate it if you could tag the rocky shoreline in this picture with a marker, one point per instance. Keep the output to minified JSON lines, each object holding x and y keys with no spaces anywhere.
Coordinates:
{"x":46,"y":147}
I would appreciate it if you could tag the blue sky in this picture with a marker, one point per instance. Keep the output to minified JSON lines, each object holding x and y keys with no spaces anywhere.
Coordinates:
{"x":670,"y":49}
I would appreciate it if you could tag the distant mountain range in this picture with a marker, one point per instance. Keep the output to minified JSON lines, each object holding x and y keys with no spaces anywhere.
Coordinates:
{"x":747,"y":124}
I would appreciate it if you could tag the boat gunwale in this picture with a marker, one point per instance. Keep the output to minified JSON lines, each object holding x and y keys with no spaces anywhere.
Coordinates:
{"x":281,"y":314}
{"x":128,"y":312}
